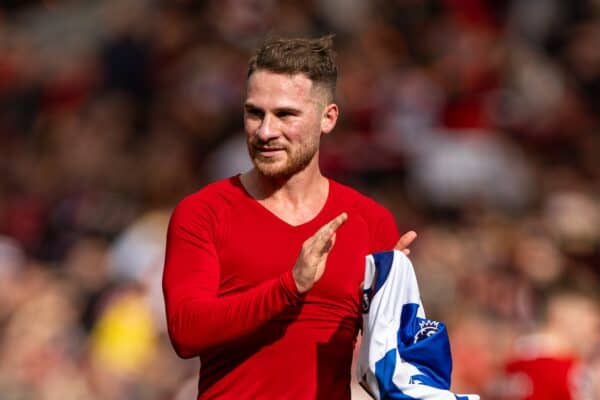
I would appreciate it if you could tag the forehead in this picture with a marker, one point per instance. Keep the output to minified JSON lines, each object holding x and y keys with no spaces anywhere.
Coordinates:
{"x":266,"y":88}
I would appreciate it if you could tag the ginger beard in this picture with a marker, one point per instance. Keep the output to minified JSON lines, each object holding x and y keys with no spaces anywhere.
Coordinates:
{"x":286,"y":163}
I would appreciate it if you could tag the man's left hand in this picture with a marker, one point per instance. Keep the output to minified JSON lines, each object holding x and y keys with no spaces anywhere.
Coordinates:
{"x":405,"y":241}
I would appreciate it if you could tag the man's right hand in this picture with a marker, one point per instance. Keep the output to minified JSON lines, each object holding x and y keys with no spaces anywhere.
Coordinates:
{"x":310,"y":264}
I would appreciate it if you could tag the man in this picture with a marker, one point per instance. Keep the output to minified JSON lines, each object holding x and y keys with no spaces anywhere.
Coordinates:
{"x":558,"y":360}
{"x":263,"y":270}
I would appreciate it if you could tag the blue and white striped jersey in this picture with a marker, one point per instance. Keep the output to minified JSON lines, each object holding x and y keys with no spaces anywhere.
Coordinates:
{"x":403,"y":354}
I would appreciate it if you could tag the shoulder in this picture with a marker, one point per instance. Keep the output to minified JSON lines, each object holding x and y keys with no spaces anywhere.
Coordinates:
{"x":377,"y":221}
{"x":360,"y":203}
{"x":210,"y":202}
{"x":221,"y":192}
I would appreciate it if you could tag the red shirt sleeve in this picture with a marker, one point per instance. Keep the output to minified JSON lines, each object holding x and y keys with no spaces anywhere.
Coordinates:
{"x":197,"y":317}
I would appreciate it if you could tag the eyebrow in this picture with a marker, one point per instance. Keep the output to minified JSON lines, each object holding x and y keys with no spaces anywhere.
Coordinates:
{"x":292,"y":110}
{"x":250,"y":107}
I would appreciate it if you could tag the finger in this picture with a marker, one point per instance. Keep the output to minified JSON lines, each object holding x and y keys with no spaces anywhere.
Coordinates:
{"x":406,"y":251}
{"x":326,"y":232}
{"x":329,"y":228}
{"x":405,"y":240}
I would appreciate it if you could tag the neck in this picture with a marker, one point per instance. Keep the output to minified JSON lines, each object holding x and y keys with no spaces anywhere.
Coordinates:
{"x":295,"y":189}
{"x":295,"y":200}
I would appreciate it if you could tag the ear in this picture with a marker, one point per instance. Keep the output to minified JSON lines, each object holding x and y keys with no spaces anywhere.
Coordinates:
{"x":329,"y":118}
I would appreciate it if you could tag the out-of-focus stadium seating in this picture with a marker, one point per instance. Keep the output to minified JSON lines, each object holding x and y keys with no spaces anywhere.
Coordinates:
{"x":476,"y":122}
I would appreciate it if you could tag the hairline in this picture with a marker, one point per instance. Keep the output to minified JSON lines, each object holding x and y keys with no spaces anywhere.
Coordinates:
{"x":322,"y":89}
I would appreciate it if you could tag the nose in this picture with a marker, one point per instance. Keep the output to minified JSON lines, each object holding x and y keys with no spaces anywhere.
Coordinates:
{"x":267,"y":129}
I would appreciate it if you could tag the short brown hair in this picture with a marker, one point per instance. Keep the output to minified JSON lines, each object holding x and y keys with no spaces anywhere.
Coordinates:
{"x":314,"y":58}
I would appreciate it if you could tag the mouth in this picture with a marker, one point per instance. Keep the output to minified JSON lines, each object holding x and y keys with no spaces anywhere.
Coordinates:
{"x":268,"y":151}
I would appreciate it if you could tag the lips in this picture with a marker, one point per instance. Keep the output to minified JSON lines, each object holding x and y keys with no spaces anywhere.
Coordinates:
{"x":269,"y":152}
{"x":267,"y":149}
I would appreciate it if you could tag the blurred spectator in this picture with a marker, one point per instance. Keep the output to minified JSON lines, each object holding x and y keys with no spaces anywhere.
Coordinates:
{"x":552,"y":361}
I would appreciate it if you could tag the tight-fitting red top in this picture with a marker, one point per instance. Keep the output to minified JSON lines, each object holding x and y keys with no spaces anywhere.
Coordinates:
{"x":231,"y":299}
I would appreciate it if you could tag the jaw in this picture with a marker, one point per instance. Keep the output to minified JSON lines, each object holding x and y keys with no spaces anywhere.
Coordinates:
{"x":287,"y":162}
{"x":272,"y":167}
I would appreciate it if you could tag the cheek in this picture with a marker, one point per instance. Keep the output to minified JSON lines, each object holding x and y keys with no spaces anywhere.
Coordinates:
{"x":302,"y":130}
{"x":293,"y":132}
{"x":250,"y":127}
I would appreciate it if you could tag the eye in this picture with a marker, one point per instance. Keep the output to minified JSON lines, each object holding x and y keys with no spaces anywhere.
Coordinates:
{"x":282,"y":114}
{"x":254,"y":112}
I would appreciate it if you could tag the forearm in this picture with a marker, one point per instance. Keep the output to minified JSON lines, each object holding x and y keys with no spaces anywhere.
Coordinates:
{"x":197,"y":322}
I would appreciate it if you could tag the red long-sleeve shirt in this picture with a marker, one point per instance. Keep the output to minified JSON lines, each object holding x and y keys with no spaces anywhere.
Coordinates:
{"x":231,"y":299}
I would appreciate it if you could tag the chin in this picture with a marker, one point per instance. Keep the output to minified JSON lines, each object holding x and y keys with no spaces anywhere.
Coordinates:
{"x":282,"y":168}
{"x":276,"y":169}
{"x":271,"y":170}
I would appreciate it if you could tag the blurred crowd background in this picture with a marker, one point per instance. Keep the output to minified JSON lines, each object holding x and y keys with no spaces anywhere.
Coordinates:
{"x":477,"y":122}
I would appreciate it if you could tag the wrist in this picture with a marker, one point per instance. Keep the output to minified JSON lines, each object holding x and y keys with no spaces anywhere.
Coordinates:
{"x":302,"y":286}
{"x":288,"y":284}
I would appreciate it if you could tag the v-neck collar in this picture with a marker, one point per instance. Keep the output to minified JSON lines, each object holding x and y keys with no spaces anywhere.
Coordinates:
{"x":319,"y":216}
